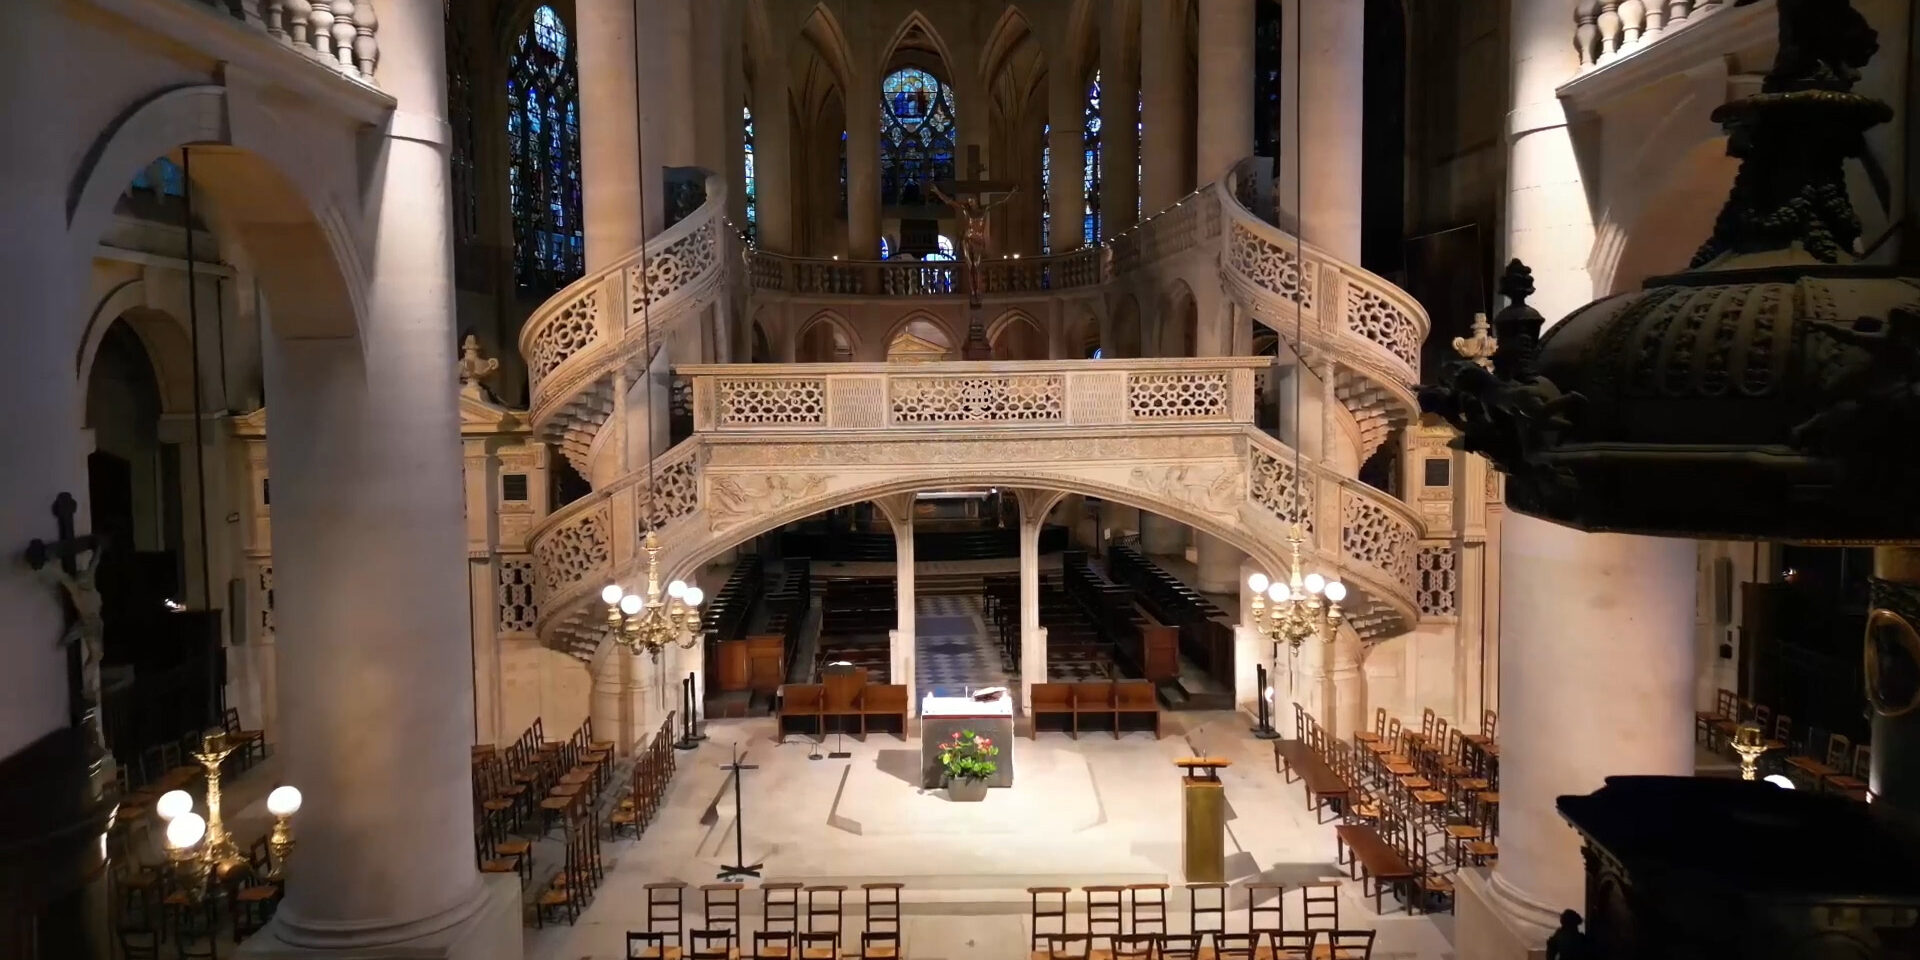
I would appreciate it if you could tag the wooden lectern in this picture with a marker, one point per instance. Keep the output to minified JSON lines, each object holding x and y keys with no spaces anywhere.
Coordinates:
{"x":1203,"y":807}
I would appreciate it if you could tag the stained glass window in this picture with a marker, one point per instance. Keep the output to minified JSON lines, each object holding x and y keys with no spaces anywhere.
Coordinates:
{"x":1139,"y":164}
{"x":1046,"y":188}
{"x":543,"y":142}
{"x":843,"y":173}
{"x":886,"y":249}
{"x":162,"y":177}
{"x":460,"y":168}
{"x":916,"y":136}
{"x":746,"y":147}
{"x":944,"y":253}
{"x":1266,"y":79}
{"x":1090,"y":169}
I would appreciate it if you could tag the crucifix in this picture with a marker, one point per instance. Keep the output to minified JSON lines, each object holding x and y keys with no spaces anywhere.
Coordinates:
{"x":85,"y":635}
{"x":740,"y":867}
{"x":973,"y":198}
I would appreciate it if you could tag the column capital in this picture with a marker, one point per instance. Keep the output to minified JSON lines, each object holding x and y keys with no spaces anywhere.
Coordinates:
{"x":898,"y":508}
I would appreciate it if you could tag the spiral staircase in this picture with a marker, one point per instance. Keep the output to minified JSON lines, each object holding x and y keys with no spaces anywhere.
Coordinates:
{"x":773,"y":443}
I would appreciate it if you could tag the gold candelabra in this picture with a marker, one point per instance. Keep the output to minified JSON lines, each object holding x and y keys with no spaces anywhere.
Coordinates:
{"x":1749,"y":741}
{"x":651,"y":622}
{"x":200,"y":848}
{"x":1302,"y":606}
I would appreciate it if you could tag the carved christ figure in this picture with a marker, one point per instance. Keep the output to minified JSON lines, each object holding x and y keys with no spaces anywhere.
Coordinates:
{"x":88,"y":629}
{"x":973,"y":236}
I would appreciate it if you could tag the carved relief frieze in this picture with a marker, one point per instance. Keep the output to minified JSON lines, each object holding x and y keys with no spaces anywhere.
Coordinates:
{"x":735,"y":499}
{"x":1209,"y":489}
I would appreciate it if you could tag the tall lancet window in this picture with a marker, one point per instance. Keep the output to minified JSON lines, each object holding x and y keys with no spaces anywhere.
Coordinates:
{"x":1046,"y":188}
{"x":466,"y":199}
{"x":543,"y":142}
{"x":1090,"y":168}
{"x":746,"y":149}
{"x":916,"y":136}
{"x":1266,"y":78}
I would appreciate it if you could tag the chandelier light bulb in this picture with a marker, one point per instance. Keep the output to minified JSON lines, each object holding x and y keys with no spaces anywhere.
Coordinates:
{"x":677,"y":589}
{"x":1315,"y":583}
{"x":610,"y":594}
{"x":1258,"y":583}
{"x":693,"y":596}
{"x":173,"y":804}
{"x":185,"y":830}
{"x":284,"y":801}
{"x":1277,"y":592}
{"x":632,"y":603}
{"x":1336,"y":591}
{"x":1779,"y":780}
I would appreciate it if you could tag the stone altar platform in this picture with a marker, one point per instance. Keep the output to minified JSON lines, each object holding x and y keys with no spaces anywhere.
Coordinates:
{"x":942,"y":717}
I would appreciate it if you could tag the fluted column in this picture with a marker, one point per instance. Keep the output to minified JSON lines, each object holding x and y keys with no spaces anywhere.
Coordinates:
{"x":1119,"y":127}
{"x":1163,"y":79}
{"x":1223,"y":132}
{"x":1066,"y":101}
{"x":609,"y":130}
{"x":863,"y":167}
{"x":370,"y":588}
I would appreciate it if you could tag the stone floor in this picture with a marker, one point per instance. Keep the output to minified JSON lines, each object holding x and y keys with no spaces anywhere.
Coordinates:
{"x":1096,"y":810}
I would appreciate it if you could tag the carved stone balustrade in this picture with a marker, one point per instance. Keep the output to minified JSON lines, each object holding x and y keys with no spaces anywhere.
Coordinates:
{"x":343,"y":34}
{"x":1605,"y":29}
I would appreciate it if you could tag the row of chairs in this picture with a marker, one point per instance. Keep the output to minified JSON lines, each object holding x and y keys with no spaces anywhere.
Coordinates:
{"x":798,"y":922}
{"x":171,"y":766}
{"x":1833,"y":764}
{"x":1282,"y":945}
{"x":584,"y":868}
{"x":153,"y":904}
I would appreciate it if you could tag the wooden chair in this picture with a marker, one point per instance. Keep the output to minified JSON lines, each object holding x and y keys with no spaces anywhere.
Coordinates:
{"x":1069,"y":946}
{"x":1854,"y":782}
{"x":711,"y":945}
{"x":819,"y":945}
{"x":666,"y":903}
{"x":1345,"y":945}
{"x":1179,"y":946}
{"x":1147,"y":907}
{"x":826,"y":901}
{"x":1293,"y":944}
{"x":1135,"y":946}
{"x":1431,"y":882}
{"x":883,"y":906}
{"x":879,"y":946}
{"x":138,"y":943}
{"x":1321,"y":906}
{"x":1207,"y":907}
{"x":1053,"y":911}
{"x":1703,"y":720}
{"x":1235,"y":946}
{"x":649,"y":945}
{"x":1264,"y":899}
{"x":773,"y":945}
{"x":720,"y":908}
{"x":780,"y":904}
{"x":1379,"y":731}
{"x":1106,"y":909}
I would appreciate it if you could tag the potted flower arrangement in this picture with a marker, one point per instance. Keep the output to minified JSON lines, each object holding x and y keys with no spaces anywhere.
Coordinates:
{"x":967,"y":759}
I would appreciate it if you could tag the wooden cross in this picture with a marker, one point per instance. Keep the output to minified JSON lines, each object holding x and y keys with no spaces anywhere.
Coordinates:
{"x":973,"y":198}
{"x":66,"y":549}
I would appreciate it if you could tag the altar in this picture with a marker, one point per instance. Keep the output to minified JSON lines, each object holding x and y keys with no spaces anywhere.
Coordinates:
{"x":942,"y":716}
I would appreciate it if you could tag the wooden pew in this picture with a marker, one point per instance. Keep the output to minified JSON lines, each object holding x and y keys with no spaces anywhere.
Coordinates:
{"x":799,"y":701}
{"x":1050,"y":700}
{"x":1294,"y":760}
{"x":1371,"y":859}
{"x":1134,"y":698}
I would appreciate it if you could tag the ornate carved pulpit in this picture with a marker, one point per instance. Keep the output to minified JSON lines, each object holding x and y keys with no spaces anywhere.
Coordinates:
{"x":1692,"y":867}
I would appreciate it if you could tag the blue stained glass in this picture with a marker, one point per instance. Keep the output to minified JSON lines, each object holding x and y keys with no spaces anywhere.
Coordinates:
{"x":1090,"y":233}
{"x":1046,"y":188}
{"x":752,"y":196}
{"x":543,"y":144}
{"x":916,"y":135}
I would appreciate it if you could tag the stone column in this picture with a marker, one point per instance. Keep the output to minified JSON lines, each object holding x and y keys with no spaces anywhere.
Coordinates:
{"x":609,"y":130}
{"x":1329,"y":72}
{"x":1066,"y":99}
{"x":1159,"y":535}
{"x":1119,"y":125}
{"x":1894,"y":777}
{"x":370,"y":586}
{"x":1034,"y":507}
{"x":863,"y":167}
{"x":611,"y":708}
{"x":667,"y":136}
{"x":899,"y":512}
{"x":1596,"y":679}
{"x":1163,"y":79}
{"x":1223,"y":131}
{"x":1217,"y":564}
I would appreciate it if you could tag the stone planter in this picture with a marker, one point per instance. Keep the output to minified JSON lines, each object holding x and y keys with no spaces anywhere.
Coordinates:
{"x":966,"y":791}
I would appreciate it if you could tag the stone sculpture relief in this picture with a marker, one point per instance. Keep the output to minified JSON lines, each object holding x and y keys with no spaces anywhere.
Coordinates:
{"x":1211,"y":489}
{"x":734,"y":500}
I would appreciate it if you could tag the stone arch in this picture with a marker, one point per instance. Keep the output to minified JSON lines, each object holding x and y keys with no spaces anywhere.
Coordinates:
{"x":169,"y":348}
{"x":259,"y":187}
{"x":828,"y":323}
{"x":1124,"y":338}
{"x":1015,"y":335}
{"x":913,"y":28}
{"x":904,"y":325}
{"x":822,"y":30}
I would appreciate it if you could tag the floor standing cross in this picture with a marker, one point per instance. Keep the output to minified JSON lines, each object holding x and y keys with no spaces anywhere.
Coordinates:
{"x":739,"y":867}
{"x":84,"y":635}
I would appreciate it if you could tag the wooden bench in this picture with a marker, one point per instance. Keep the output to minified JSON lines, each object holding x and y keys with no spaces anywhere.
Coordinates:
{"x":1371,"y":859}
{"x":799,"y":701}
{"x":1294,"y":760}
{"x":1108,"y":700}
{"x":886,"y":700}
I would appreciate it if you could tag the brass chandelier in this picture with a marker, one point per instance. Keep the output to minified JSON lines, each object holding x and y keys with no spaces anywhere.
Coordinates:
{"x":1304,"y":605}
{"x":651,"y":622}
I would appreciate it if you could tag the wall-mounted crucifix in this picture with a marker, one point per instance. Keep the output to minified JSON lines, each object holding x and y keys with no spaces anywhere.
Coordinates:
{"x":85,"y":637}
